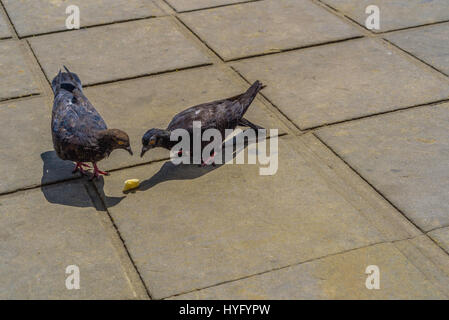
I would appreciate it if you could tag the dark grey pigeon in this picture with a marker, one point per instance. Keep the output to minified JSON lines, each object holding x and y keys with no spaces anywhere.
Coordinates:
{"x":221,"y":115}
{"x":79,"y":132}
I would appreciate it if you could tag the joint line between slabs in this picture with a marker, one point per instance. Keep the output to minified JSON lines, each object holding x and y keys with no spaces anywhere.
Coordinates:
{"x":15,"y":35}
{"x":412,"y":27}
{"x":19,"y":98}
{"x":280,"y":51}
{"x":212,"y":53}
{"x":427,"y":104}
{"x":151,"y":74}
{"x":89,"y":27}
{"x":39,"y":64}
{"x":277,"y":269}
{"x":371,"y":185}
{"x":117,"y":231}
{"x":415,"y":57}
{"x":213,"y":7}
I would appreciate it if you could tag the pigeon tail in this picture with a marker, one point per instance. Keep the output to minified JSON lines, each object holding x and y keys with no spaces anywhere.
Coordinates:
{"x":247,"y":98}
{"x":67,"y":81}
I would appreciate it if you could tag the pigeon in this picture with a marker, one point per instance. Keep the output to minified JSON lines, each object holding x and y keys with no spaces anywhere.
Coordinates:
{"x":221,"y":115}
{"x":79,"y":132}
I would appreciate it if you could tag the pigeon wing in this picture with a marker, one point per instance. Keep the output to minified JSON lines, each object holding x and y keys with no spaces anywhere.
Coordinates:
{"x":221,"y":114}
{"x":75,"y":122}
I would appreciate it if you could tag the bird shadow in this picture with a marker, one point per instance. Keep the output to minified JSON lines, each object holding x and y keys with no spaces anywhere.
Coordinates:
{"x":170,"y":171}
{"x":73,"y":192}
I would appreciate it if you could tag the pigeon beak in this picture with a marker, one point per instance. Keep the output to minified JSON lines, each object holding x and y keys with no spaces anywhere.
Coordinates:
{"x":129,"y":150}
{"x":144,"y":150}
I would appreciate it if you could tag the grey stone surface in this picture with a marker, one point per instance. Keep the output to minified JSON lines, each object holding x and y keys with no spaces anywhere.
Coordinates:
{"x":4,"y":30}
{"x":32,"y":17}
{"x":395,"y":14}
{"x":189,"y":227}
{"x":344,"y":197}
{"x":39,"y":240}
{"x":186,"y":5}
{"x":342,"y":81}
{"x":380,"y":213}
{"x":16,"y":79}
{"x":429,"y":258}
{"x":117,"y":51}
{"x":266,"y":26}
{"x":26,"y":154}
{"x":341,"y":276}
{"x":441,"y":236}
{"x":139,"y":105}
{"x":404,"y":155}
{"x":429,"y":44}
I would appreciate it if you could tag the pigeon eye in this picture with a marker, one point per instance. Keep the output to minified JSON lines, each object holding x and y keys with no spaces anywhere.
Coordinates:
{"x":152,"y":141}
{"x":121,"y":143}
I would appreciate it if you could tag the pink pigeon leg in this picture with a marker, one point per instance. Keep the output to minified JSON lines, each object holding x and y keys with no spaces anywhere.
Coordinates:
{"x":98,"y":172}
{"x":79,"y":167}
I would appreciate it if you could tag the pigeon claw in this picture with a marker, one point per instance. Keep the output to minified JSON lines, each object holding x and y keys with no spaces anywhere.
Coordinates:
{"x":97,"y":173}
{"x":79,"y":167}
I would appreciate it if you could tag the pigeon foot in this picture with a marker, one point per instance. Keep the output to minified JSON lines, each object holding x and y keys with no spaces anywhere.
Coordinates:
{"x":79,"y":167}
{"x":98,"y":173}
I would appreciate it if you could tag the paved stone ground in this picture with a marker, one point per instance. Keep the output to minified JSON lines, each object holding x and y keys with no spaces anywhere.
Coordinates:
{"x":363,"y":173}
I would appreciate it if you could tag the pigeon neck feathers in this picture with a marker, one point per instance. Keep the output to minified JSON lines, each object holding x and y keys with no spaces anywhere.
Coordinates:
{"x":110,"y":136}
{"x":161,"y":138}
{"x":67,"y":81}
{"x":67,"y":86}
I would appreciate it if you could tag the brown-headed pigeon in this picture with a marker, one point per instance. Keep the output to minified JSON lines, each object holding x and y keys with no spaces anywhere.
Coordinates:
{"x":79,"y":132}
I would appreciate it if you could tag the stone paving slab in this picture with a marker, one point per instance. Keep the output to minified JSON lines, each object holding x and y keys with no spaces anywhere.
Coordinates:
{"x":395,"y":14}
{"x":26,"y":154}
{"x":139,"y":105}
{"x":39,"y":240}
{"x":31,"y":17}
{"x":187,"y":5}
{"x":441,"y":236}
{"x":16,"y":79}
{"x":4,"y":30}
{"x":340,"y":276}
{"x":117,"y":51}
{"x":404,"y":155}
{"x":429,"y":44}
{"x":343,"y":81}
{"x":266,"y":26}
{"x":189,"y":227}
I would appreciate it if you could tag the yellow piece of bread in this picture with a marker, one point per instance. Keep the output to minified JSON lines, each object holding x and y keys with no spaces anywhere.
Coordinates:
{"x":131,"y":184}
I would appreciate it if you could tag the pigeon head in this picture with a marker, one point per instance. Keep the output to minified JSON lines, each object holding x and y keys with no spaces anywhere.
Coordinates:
{"x":115,"y":139}
{"x":154,"y":138}
{"x":66,"y":80}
